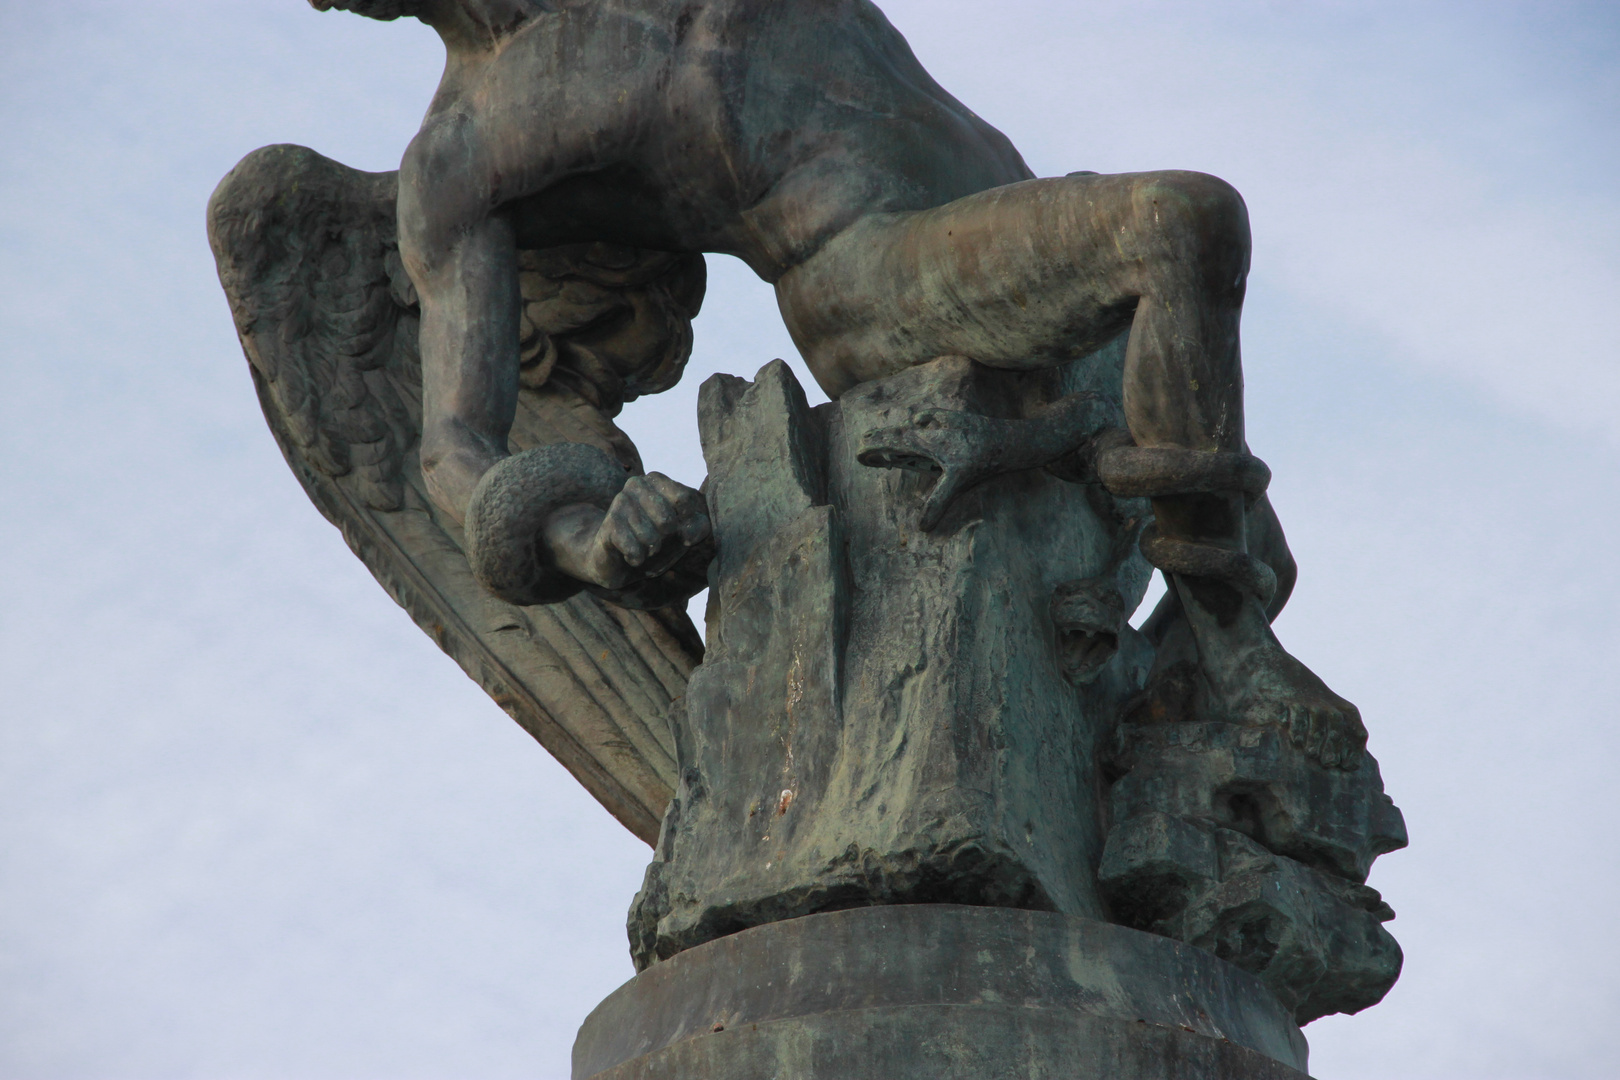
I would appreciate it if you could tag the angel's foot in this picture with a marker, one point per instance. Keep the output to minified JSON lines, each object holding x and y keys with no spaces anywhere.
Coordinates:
{"x":1201,"y":502}
{"x":1269,"y":686}
{"x":1249,"y":677}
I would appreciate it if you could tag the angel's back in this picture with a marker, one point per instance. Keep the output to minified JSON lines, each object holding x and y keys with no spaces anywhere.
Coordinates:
{"x":758,"y":128}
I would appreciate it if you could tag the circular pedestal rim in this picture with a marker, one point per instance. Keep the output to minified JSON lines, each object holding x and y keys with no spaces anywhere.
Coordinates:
{"x":878,"y":958}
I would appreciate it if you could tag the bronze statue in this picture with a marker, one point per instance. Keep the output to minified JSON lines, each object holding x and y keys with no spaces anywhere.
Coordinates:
{"x":1075,"y":338}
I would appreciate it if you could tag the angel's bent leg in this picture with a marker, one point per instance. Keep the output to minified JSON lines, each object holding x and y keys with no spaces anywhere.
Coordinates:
{"x":1040,"y":272}
{"x":1036,"y":273}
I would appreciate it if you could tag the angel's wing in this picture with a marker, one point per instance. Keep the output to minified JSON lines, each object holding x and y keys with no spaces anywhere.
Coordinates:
{"x":307,"y":255}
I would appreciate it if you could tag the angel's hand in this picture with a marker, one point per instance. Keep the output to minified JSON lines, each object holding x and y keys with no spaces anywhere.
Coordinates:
{"x":651,"y":523}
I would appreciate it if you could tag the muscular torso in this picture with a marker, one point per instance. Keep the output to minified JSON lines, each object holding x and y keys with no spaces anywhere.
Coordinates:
{"x":758,"y":128}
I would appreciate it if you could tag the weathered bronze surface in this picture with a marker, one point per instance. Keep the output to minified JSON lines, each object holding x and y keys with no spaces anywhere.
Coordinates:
{"x":920,"y":684}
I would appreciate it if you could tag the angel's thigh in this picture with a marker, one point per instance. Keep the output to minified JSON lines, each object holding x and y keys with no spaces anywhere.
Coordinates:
{"x":1027,"y":275}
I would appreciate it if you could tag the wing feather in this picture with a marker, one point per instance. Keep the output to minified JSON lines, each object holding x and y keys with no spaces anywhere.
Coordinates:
{"x":307,"y":255}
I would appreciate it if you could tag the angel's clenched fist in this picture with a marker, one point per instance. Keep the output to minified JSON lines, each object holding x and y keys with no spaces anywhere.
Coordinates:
{"x":651,"y":523}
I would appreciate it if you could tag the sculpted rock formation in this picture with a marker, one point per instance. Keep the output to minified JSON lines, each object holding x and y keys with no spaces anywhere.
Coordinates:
{"x":1231,"y":839}
{"x":890,"y":713}
{"x":881,"y":717}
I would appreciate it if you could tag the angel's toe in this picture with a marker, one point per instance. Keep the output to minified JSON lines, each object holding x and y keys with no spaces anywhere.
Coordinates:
{"x":1332,"y":750}
{"x":1291,"y":724}
{"x":1316,"y":734}
{"x":1349,"y":738}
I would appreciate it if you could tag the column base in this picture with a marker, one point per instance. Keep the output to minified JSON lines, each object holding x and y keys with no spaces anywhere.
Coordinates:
{"x":942,"y":992}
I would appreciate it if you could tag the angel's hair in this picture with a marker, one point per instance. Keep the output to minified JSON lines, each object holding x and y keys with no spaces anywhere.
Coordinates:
{"x":611,"y":323}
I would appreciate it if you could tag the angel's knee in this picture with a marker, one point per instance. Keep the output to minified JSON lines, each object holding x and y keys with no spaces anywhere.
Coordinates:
{"x":1194,"y":220}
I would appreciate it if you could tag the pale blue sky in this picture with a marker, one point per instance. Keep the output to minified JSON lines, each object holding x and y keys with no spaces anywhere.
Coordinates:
{"x":254,"y":825}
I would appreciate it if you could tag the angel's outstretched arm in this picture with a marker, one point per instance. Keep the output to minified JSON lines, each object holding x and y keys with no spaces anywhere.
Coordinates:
{"x":470,"y":311}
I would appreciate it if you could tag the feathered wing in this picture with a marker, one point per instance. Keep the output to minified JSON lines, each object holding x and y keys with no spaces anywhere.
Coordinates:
{"x":307,"y":255}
